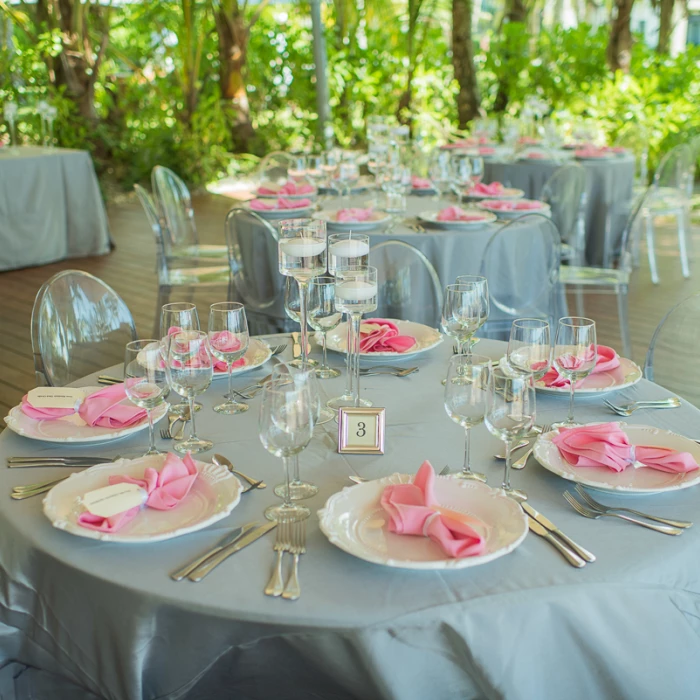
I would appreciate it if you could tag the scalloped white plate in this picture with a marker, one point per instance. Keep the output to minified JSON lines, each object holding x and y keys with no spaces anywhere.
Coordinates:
{"x":275,"y":214}
{"x":506,"y":193}
{"x":637,"y":481}
{"x":73,"y":428}
{"x":626,"y":375}
{"x":426,"y":339}
{"x":514,"y":213}
{"x":430,"y":217}
{"x":309,"y":195}
{"x":379,"y":221}
{"x":354,"y":521}
{"x":213,"y":496}
{"x":257,"y":354}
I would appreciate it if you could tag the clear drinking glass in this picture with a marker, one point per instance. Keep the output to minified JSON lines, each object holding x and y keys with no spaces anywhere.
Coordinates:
{"x":314,"y":170}
{"x":346,"y":177}
{"x":189,"y":367}
{"x":330,"y":167}
{"x":530,"y":347}
{"x":302,"y":255}
{"x":298,"y":169}
{"x":477,"y":167}
{"x":510,"y":415}
{"x":228,"y":341}
{"x":440,"y":174}
{"x":145,"y":381}
{"x":465,"y":309}
{"x":575,"y":355}
{"x":356,"y":294}
{"x":175,"y":317}
{"x":461,"y":169}
{"x":324,"y":317}
{"x":286,"y":425}
{"x":466,"y":390}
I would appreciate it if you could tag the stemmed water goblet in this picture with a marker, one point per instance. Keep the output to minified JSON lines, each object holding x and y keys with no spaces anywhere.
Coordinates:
{"x":461,"y":169}
{"x":324,"y":317}
{"x":145,"y":381}
{"x":477,"y":168}
{"x":465,"y":309}
{"x":189,"y":367}
{"x":298,"y":169}
{"x":292,"y":304}
{"x":286,"y":425}
{"x":356,"y":294}
{"x":347,"y":175}
{"x":530,"y":347}
{"x":575,"y":355}
{"x":440,"y":174}
{"x":510,"y":415}
{"x":228,"y":341}
{"x":314,"y":170}
{"x":466,"y":390}
{"x":330,"y":167}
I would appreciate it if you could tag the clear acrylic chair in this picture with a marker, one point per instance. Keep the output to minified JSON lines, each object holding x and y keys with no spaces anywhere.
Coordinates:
{"x":254,"y":261}
{"x":672,"y":356}
{"x":274,"y":168}
{"x":669,"y":196}
{"x":635,"y":139}
{"x":174,"y":207}
{"x":521,"y":263}
{"x":409,"y":286}
{"x":610,"y":280}
{"x":176,"y":272}
{"x":565,"y":192}
{"x":80,"y":325}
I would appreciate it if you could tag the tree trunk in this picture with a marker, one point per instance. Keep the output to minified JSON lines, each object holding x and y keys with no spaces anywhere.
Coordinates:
{"x":665,"y":25}
{"x":233,"y":34}
{"x":463,"y":62}
{"x":619,"y":51}
{"x":516,"y":11}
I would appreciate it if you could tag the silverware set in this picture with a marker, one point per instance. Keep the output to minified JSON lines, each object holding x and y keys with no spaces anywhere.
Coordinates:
{"x":629,"y":408}
{"x":291,"y":538}
{"x":522,"y":461}
{"x":387,"y":369}
{"x":168,"y":434}
{"x":107,"y":380}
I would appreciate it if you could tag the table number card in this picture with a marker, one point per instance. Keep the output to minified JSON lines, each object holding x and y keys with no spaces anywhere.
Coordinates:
{"x":361,"y":431}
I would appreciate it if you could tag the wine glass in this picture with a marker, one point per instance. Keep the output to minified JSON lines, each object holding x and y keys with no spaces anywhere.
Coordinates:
{"x":355,"y":294}
{"x":228,"y":341}
{"x":530,"y":347}
{"x":176,"y":317}
{"x":286,"y":425}
{"x":347,"y":175}
{"x":298,"y":169}
{"x":510,"y":415}
{"x":302,"y":255}
{"x":145,"y":381}
{"x":189,"y":367}
{"x":323,"y":317}
{"x":477,"y":166}
{"x":440,"y":174}
{"x":314,"y":170}
{"x":461,"y":169}
{"x":575,"y":355}
{"x":330,"y":167}
{"x":396,"y":184}
{"x":465,"y":309}
{"x":466,"y":389}
{"x":292,"y":303}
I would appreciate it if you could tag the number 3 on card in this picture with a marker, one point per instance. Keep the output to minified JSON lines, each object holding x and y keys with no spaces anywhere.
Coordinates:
{"x":361,"y":431}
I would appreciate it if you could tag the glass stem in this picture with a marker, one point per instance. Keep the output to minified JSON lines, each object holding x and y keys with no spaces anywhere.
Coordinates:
{"x":506,"y":476}
{"x":287,"y":501}
{"x":325,"y":359}
{"x":348,"y":361}
{"x":303,"y":319}
{"x":151,"y":432}
{"x":467,"y":468}
{"x":229,"y":368}
{"x":356,"y":318}
{"x":572,"y":382}
{"x":193,"y":432}
{"x":296,"y":479}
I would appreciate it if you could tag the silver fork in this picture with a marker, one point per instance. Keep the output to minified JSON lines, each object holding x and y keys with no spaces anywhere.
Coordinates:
{"x":19,"y":493}
{"x":603,"y":509}
{"x":629,"y":408}
{"x":277,"y":349}
{"x":522,"y":461}
{"x":595,"y":514}
{"x":298,"y":547}
{"x":275,"y":586}
{"x":394,"y":372}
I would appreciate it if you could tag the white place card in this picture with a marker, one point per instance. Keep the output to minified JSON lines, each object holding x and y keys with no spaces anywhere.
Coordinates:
{"x":114,"y":499}
{"x":56,"y":397}
{"x":361,"y":431}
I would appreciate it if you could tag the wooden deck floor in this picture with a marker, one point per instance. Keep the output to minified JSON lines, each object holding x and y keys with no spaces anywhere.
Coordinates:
{"x":130,"y":270}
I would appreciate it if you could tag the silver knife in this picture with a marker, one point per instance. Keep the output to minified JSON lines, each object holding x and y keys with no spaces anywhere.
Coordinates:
{"x":568,"y":554}
{"x":228,"y":539}
{"x":542,"y":520}
{"x":58,"y":463}
{"x":203,"y":569}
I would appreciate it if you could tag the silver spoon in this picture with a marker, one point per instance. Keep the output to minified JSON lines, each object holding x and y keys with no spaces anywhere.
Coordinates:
{"x":224,"y":462}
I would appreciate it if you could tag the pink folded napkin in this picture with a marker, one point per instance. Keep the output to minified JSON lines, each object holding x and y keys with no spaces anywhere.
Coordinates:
{"x":380,"y":335}
{"x":225,"y":341}
{"x":536,"y":155}
{"x":421,"y":183}
{"x":458,"y":214}
{"x":413,"y":510}
{"x":607,"y":359}
{"x":511,"y":204}
{"x":486,"y":150}
{"x":166,"y":490}
{"x":102,"y":409}
{"x":281,"y":203}
{"x":528,"y":141}
{"x":590,"y":153}
{"x":607,"y":445}
{"x":288,"y":188}
{"x":354,"y":214}
{"x":463,"y":143}
{"x":493,"y":189}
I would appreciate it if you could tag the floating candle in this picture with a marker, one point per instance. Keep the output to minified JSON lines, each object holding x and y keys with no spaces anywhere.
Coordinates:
{"x":349,"y":249}
{"x":355,"y":290}
{"x":302,"y":247}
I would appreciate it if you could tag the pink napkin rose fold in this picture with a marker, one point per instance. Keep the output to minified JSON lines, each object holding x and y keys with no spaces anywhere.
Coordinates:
{"x":352,"y":214}
{"x":281,"y":203}
{"x":288,"y":188}
{"x":455,"y":213}
{"x":512,"y":204}
{"x":421,"y":183}
{"x":224,"y":341}
{"x":490,"y":190}
{"x":606,"y":360}
{"x":381,"y":335}
{"x":413,"y":510}
{"x":607,"y":445}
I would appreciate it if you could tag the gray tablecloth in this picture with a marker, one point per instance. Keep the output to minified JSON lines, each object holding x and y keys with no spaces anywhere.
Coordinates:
{"x":610,"y":185}
{"x":50,"y":207}
{"x":527,"y":626}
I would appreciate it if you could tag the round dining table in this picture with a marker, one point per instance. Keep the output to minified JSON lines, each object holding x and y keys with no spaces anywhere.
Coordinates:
{"x":106,"y":619}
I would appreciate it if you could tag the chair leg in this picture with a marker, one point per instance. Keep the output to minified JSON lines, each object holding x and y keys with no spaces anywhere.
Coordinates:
{"x":682,"y":244}
{"x":163,"y":298}
{"x":651,"y":251}
{"x":624,"y":321}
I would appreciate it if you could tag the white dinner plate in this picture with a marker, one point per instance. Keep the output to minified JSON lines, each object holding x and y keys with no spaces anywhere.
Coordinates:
{"x":310,"y":195}
{"x":514,"y":213}
{"x":257,"y":354}
{"x":214,"y":494}
{"x":637,"y":481}
{"x":73,"y":428}
{"x":354,"y":521}
{"x":275,"y":214}
{"x":380,"y":219}
{"x":426,"y":339}
{"x":627,"y":374}
{"x":506,"y":193}
{"x":430,"y":217}
{"x":366,"y":182}
{"x":602,"y":156}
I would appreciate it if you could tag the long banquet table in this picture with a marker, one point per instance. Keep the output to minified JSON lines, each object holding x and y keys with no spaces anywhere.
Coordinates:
{"x":107,"y":618}
{"x":50,"y":207}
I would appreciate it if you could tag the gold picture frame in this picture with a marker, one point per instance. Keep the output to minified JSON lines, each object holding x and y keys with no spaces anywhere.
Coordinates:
{"x":361,"y":431}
